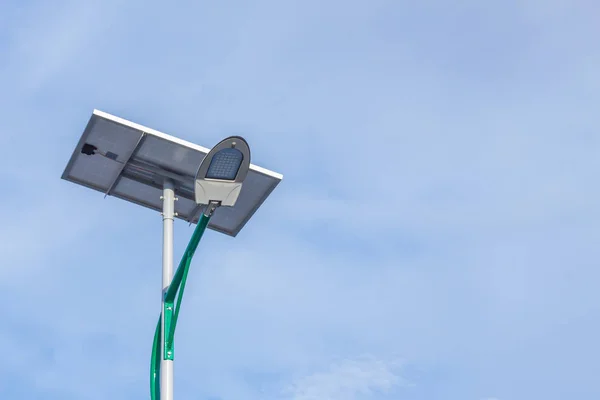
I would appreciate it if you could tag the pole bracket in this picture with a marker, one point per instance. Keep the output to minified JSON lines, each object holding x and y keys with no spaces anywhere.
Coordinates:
{"x":168,"y":345}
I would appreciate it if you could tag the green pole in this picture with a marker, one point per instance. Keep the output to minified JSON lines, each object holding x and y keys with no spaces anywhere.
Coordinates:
{"x":172,"y":313}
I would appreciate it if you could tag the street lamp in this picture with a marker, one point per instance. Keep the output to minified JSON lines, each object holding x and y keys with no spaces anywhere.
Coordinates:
{"x":181,"y":180}
{"x":221,"y":173}
{"x":218,"y":183}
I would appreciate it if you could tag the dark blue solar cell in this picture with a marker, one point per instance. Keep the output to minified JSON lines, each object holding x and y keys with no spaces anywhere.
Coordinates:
{"x":225,"y":164}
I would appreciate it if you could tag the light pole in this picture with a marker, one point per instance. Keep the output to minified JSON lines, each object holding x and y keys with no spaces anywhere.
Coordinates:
{"x":182,"y":181}
{"x":218,"y":183}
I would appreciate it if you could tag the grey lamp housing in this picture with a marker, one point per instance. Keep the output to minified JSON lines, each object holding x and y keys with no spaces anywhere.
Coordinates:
{"x":222,"y":171}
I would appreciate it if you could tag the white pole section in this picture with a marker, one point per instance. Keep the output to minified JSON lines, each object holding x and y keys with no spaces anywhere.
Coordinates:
{"x":166,"y":366}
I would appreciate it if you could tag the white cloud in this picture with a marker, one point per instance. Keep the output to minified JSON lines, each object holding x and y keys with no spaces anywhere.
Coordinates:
{"x":347,"y":380}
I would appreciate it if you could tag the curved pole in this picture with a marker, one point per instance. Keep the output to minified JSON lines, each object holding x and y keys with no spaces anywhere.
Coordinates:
{"x":178,"y":282}
{"x":155,"y":365}
{"x":170,"y":312}
{"x":187,"y":257}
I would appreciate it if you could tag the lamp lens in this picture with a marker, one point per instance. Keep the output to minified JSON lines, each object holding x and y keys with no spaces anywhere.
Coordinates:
{"x":225,"y":164}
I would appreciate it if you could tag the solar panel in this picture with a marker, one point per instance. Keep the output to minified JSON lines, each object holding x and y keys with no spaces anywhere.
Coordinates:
{"x":132,"y":160}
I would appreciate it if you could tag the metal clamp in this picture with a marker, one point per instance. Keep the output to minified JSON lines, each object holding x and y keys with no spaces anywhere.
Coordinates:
{"x":211,"y":207}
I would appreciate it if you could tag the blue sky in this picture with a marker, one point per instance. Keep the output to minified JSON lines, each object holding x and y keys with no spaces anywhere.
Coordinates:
{"x":435,"y":236}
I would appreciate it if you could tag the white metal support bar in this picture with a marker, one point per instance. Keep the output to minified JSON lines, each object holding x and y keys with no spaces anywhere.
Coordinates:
{"x":168,"y":215}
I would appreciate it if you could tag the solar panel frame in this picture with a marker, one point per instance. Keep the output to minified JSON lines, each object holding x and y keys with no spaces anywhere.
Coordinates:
{"x":140,"y":155}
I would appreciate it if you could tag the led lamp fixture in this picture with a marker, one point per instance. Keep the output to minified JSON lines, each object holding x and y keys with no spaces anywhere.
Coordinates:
{"x":221,"y":173}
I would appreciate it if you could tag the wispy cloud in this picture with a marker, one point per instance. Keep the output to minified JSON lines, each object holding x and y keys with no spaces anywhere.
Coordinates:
{"x":347,"y":379}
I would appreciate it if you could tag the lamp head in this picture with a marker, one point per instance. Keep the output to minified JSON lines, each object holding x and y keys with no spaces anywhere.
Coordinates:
{"x":222,"y":171}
